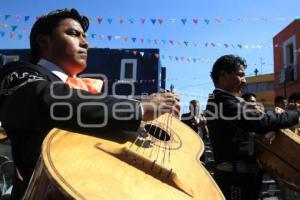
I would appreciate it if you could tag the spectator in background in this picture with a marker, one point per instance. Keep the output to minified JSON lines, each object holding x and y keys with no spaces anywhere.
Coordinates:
{"x":281,"y":102}
{"x":249,"y":97}
{"x":294,"y":98}
{"x":195,"y":119}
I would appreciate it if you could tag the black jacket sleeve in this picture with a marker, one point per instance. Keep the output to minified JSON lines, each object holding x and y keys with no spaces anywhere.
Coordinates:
{"x":30,"y":100}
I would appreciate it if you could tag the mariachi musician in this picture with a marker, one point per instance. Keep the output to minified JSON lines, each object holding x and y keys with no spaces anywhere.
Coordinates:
{"x":38,"y":96}
{"x":230,"y":121}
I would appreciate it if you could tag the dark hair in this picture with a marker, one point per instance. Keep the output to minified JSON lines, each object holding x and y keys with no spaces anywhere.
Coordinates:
{"x":194,"y":101}
{"x":47,"y":23}
{"x":294,"y":97}
{"x":279,"y":99}
{"x":248,"y":95}
{"x":227,"y":63}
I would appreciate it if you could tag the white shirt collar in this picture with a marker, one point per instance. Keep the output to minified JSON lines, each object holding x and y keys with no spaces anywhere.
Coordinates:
{"x":54,"y":69}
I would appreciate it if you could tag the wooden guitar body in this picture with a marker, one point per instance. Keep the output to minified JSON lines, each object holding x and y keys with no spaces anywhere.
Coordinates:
{"x":281,"y":157}
{"x":157,"y":162}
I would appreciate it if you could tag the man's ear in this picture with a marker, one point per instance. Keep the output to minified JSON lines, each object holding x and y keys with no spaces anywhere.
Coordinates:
{"x":223,"y":75}
{"x":44,"y":42}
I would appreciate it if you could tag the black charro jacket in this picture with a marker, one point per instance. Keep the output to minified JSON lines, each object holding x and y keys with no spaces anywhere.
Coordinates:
{"x":229,"y":123}
{"x":31,"y":105}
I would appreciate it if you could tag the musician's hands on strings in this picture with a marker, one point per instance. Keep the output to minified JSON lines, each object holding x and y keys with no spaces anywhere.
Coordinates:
{"x":157,"y":104}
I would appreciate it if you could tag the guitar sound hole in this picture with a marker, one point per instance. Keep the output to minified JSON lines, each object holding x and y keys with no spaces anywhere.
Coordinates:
{"x":157,"y":132}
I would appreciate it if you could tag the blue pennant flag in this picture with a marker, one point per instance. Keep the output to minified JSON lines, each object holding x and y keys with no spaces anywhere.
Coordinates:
{"x":183,"y":21}
{"x":27,"y":18}
{"x":153,"y":21}
{"x":109,"y":20}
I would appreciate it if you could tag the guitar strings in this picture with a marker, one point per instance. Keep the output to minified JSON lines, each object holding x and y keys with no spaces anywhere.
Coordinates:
{"x":157,"y":135}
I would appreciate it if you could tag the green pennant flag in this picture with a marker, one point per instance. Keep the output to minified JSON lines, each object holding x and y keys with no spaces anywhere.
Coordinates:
{"x":14,"y":27}
{"x":131,"y":20}
{"x":239,"y":45}
{"x":186,"y":43}
{"x":93,"y":35}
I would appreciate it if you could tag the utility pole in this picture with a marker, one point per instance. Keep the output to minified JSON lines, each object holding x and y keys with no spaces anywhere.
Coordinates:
{"x":261,"y":64}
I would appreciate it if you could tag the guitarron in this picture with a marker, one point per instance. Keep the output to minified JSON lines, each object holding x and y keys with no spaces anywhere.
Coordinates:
{"x":160,"y":161}
{"x":281,"y":157}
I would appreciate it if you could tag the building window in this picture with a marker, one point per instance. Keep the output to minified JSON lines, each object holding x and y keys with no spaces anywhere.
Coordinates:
{"x":290,"y":54}
{"x":8,"y":58}
{"x":289,"y":69}
{"x":128,"y":69}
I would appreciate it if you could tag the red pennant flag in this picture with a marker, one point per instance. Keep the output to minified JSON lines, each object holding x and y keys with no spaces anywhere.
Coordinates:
{"x":156,"y":55}
{"x":11,"y":35}
{"x":18,"y":17}
{"x":142,"y":40}
{"x":143,"y":20}
{"x":213,"y":44}
{"x":126,"y":38}
{"x":195,"y":20}
{"x":99,"y":20}
{"x":171,"y":41}
{"x":134,"y":52}
{"x":37,"y":17}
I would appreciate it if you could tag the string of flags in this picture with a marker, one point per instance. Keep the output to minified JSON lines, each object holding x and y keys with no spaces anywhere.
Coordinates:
{"x":142,"y":40}
{"x":162,"y":21}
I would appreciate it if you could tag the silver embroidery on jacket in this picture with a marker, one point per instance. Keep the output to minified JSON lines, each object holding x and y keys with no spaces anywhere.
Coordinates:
{"x":16,"y":80}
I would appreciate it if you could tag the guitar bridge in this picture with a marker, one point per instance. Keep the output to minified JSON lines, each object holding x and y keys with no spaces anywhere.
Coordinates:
{"x":151,"y":168}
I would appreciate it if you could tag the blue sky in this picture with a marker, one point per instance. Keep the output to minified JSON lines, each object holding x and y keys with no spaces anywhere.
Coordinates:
{"x":247,"y":22}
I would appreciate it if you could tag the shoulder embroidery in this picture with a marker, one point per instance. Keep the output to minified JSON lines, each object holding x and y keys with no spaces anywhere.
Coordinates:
{"x":16,"y":80}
